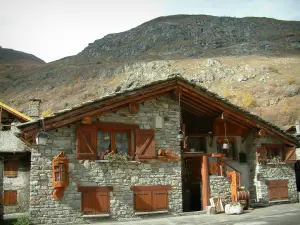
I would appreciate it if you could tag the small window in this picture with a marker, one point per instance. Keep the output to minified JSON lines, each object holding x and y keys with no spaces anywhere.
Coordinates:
{"x":11,"y":168}
{"x":10,"y":198}
{"x":95,"y":200}
{"x":151,"y":198}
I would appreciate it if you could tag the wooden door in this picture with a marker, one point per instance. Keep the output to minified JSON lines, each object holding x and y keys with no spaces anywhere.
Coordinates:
{"x":159,"y":200}
{"x":278,"y":190}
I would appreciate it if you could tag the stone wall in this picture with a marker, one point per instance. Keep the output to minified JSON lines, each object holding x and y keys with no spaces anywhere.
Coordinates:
{"x":9,"y":142}
{"x":43,"y":209}
{"x":260,"y":173}
{"x":21,"y":185}
{"x":1,"y":189}
{"x":220,"y":187}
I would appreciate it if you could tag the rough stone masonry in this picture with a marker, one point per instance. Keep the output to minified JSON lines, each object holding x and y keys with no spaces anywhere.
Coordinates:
{"x":43,"y":209}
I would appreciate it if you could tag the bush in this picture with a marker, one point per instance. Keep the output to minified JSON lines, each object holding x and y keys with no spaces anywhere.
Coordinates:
{"x":273,"y":70}
{"x":22,"y":221}
{"x":47,"y":112}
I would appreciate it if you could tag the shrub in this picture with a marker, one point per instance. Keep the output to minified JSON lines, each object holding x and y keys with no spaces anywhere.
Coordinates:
{"x":273,"y":69}
{"x":22,"y":221}
{"x":291,"y":81}
{"x":47,"y":112}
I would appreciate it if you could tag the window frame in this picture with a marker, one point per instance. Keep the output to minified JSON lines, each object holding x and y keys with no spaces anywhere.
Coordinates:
{"x":269,"y":148}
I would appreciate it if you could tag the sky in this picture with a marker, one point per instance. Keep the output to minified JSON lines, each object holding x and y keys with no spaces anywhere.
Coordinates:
{"x":53,"y":29}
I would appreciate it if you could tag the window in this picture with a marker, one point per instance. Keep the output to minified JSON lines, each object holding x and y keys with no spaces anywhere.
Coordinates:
{"x":98,"y":138}
{"x":95,"y":200}
{"x":11,"y":168}
{"x":10,"y":198}
{"x":60,"y":172}
{"x":268,"y":152}
{"x":277,"y":190}
{"x":151,"y":198}
{"x":231,"y":152}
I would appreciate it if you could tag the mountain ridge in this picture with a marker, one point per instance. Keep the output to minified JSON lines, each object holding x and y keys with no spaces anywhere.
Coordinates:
{"x":253,"y":62}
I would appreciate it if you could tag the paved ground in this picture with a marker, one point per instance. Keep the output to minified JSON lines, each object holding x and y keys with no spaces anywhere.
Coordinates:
{"x":273,"y":215}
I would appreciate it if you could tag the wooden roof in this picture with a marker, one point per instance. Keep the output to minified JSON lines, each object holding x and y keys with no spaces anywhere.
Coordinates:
{"x":195,"y":99}
{"x":15,"y":112}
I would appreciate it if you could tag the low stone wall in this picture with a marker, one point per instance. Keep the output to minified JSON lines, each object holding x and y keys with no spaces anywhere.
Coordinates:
{"x":220,"y":187}
{"x":45,"y":210}
{"x":266,"y":172}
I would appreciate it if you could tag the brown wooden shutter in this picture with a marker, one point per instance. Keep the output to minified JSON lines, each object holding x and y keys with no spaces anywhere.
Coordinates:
{"x":102,"y":202}
{"x":261,"y":154}
{"x":278,"y":190}
{"x":10,"y":198}
{"x":145,"y":145}
{"x":88,"y":203}
{"x":11,"y":168}
{"x":142,"y":201}
{"x":290,"y":154}
{"x":159,"y":200}
{"x":86,"y":142}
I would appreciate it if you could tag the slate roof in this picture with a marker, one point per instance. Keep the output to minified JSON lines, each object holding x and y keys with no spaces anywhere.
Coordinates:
{"x":169,"y":78}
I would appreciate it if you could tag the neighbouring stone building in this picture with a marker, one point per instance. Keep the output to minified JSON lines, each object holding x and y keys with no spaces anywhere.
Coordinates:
{"x":166,"y":147}
{"x":15,"y":157}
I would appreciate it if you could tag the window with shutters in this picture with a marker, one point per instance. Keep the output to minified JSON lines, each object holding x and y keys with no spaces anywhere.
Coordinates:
{"x":277,"y":190}
{"x":10,"y":198}
{"x":11,"y":168}
{"x":270,"y":152}
{"x":95,"y":200}
{"x":151,"y":198}
{"x":100,"y":138}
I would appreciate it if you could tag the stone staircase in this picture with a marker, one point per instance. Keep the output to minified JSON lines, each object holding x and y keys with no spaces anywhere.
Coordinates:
{"x":220,"y":187}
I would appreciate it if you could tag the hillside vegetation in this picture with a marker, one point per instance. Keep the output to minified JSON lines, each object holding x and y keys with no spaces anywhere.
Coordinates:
{"x":254,"y":62}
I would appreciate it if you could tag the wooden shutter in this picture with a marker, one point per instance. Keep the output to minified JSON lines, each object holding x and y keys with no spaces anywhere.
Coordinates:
{"x":88,"y":203}
{"x":10,"y":198}
{"x":145,"y":145}
{"x":11,"y":168}
{"x":86,"y":142}
{"x":290,"y":154}
{"x":102,"y":202}
{"x":277,"y":190}
{"x":261,"y":154}
{"x":142,"y":201}
{"x":159,"y":200}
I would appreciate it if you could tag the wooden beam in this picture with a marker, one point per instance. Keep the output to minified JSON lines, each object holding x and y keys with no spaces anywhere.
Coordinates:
{"x":205,"y":181}
{"x":133,"y":107}
{"x":194,"y":104}
{"x":232,"y":111}
{"x":103,"y":107}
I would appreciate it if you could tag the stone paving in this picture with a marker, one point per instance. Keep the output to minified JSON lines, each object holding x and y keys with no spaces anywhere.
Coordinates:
{"x":277,"y":214}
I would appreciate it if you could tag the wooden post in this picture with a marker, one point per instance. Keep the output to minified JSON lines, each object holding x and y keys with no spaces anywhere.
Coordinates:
{"x":205,"y":182}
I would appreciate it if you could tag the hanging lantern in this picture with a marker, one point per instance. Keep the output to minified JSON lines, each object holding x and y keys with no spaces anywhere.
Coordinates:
{"x":225,"y":144}
{"x":180,"y":136}
{"x":41,"y":138}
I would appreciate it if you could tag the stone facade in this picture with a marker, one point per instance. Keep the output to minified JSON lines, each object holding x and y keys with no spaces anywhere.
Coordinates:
{"x":21,"y":185}
{"x":13,"y":148}
{"x":220,"y":187}
{"x":260,"y":173}
{"x":43,"y":209}
{"x":1,"y":189}
{"x":34,"y":108}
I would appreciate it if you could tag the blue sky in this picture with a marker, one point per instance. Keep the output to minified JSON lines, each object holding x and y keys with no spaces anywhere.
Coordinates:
{"x":58,"y":28}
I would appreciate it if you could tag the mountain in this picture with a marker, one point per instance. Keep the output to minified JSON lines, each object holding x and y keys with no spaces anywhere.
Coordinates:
{"x":254,"y":62}
{"x":13,"y":56}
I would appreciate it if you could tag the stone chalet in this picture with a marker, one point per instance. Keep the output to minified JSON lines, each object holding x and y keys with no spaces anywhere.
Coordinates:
{"x":165,"y":147}
{"x":14,"y":163}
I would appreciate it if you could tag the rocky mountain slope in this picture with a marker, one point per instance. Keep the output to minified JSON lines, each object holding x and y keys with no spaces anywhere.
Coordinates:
{"x":254,"y":62}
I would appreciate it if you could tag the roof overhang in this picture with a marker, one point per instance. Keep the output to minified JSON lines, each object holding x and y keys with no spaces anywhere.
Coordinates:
{"x":193,"y":98}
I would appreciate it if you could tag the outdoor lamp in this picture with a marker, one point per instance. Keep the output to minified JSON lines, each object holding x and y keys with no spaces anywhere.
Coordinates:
{"x":180,"y":136}
{"x":41,"y":138}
